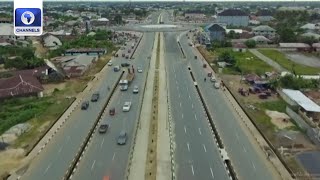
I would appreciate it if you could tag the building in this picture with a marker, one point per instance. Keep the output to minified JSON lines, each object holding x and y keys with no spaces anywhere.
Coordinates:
{"x":216,"y":32}
{"x":316,"y":46}
{"x":239,"y":47}
{"x":51,"y":41}
{"x":310,"y":34}
{"x":194,"y":16}
{"x":264,"y":15}
{"x":233,"y":17}
{"x":100,"y":22}
{"x":294,"y":47}
{"x":261,"y":39}
{"x":75,"y":66}
{"x":5,"y":20}
{"x":19,"y":85}
{"x":7,"y":33}
{"x":88,"y":51}
{"x":265,"y":31}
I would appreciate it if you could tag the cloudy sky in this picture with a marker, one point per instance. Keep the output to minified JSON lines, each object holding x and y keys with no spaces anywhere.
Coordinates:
{"x":180,"y":0}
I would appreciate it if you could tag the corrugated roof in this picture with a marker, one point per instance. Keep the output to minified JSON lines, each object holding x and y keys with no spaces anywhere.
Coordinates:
{"x":263,"y":28}
{"x":232,"y":12}
{"x":294,"y":45}
{"x":302,"y":100}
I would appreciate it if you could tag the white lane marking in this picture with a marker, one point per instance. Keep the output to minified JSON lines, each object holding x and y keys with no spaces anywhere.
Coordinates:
{"x":244,"y":149}
{"x":176,"y":82}
{"x":204,"y":147}
{"x":114,"y":154}
{"x":93,"y":165}
{"x":195,"y":116}
{"x":180,"y":104}
{"x":192,"y":170}
{"x":200,"y":131}
{"x":68,"y":138}
{"x":254,"y":167}
{"x":188,"y":146}
{"x":211,"y":173}
{"x":189,"y":96}
{"x":192,"y":106}
{"x":47,"y":168}
{"x":182,"y":116}
{"x":102,"y":143}
{"x":185,"y":129}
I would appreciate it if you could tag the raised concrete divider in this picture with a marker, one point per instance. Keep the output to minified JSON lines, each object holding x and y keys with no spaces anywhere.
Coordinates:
{"x":137,"y":45}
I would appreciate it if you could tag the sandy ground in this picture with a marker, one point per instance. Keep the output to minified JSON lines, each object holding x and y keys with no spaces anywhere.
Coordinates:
{"x":10,"y":159}
{"x":281,"y":120}
{"x":49,"y":88}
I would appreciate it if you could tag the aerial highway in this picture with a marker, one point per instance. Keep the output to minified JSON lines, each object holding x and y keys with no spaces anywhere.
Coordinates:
{"x":104,"y":157}
{"x":249,"y":163}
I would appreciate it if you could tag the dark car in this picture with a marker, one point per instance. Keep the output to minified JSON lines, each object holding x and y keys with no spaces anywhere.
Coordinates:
{"x":122,"y":138}
{"x":85,"y":105}
{"x":125,"y":64}
{"x":123,"y":54}
{"x":103,"y":128}
{"x":95,"y":97}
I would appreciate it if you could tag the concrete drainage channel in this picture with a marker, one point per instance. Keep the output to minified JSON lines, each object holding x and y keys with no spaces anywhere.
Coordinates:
{"x":151,"y":163}
{"x":223,"y":153}
{"x":84,"y":145}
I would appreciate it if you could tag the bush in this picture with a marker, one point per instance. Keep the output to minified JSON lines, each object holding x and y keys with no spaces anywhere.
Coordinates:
{"x":250,"y":43}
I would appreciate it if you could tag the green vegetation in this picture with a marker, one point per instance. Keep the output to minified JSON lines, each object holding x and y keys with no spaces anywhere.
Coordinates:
{"x":245,"y":63}
{"x":297,"y":83}
{"x":281,"y":59}
{"x":20,"y":110}
{"x":251,"y":43}
{"x":279,"y":105}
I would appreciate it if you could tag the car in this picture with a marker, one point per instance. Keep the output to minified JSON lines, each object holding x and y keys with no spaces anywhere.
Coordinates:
{"x":126,"y":107}
{"x":135,"y":89}
{"x":95,"y":97}
{"x":103,"y":128}
{"x":122,"y":138}
{"x":116,"y":55}
{"x":139,"y":70}
{"x":125,"y":64}
{"x":109,"y":63}
{"x":123,"y":55}
{"x":129,"y":51}
{"x":85,"y":105}
{"x":213,"y":79}
{"x":127,"y":56}
{"x":217,"y":85}
{"x":112,"y":111}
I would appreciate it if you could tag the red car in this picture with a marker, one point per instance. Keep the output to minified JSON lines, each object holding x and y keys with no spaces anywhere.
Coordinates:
{"x":112,"y":111}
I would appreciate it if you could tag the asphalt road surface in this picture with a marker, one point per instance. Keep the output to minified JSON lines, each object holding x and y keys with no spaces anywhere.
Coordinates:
{"x":196,"y":154}
{"x":104,"y":157}
{"x":249,"y":164}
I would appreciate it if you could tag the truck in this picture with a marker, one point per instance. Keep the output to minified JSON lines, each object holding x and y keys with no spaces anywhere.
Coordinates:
{"x":124,"y":83}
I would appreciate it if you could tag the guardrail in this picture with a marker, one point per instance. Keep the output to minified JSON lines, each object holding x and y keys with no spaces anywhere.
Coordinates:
{"x":227,"y":162}
{"x":76,"y":159}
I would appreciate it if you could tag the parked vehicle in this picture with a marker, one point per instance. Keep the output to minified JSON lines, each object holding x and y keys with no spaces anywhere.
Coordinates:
{"x":85,"y":105}
{"x":127,"y":56}
{"x":195,"y":57}
{"x":122,"y":138}
{"x":126,"y":107}
{"x":123,"y":55}
{"x":103,"y":128}
{"x":109,"y":63}
{"x":213,"y":79}
{"x":116,"y":55}
{"x":95,"y":97}
{"x":125,"y":64}
{"x":139,"y":70}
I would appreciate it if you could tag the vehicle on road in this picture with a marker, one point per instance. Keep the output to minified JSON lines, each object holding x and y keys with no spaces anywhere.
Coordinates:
{"x":217,"y":85}
{"x":85,"y":105}
{"x":139,"y":70}
{"x":95,"y":96}
{"x":213,"y":79}
{"x":123,"y":55}
{"x":135,"y":89}
{"x":190,"y":44}
{"x":132,"y":45}
{"x":129,"y":50}
{"x":122,"y":138}
{"x":125,"y":64}
{"x":195,"y":57}
{"x":112,"y":111}
{"x":127,"y":56}
{"x":116,"y":55}
{"x":109,"y":63}
{"x":116,"y":68}
{"x":103,"y":128}
{"x":123,"y":85}
{"x":126,"y":107}
{"x":106,"y":178}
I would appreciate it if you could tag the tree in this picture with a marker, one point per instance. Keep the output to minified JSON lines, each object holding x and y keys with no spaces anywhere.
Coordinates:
{"x":118,"y":19}
{"x":308,"y":39}
{"x":227,"y":57}
{"x":251,"y":43}
{"x":286,"y":34}
{"x":27,"y":53}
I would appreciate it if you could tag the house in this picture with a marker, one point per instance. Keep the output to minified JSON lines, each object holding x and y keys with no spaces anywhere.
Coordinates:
{"x":19,"y":85}
{"x":216,"y":32}
{"x":239,"y":47}
{"x":261,"y":39}
{"x":88,"y":51}
{"x":265,"y":31}
{"x":7,"y":33}
{"x":51,"y":41}
{"x":233,"y":17}
{"x":75,"y":66}
{"x":311,"y":27}
{"x":264,"y":15}
{"x":5,"y":20}
{"x":100,"y":22}
{"x":316,"y":46}
{"x":310,"y":34}
{"x":294,"y":47}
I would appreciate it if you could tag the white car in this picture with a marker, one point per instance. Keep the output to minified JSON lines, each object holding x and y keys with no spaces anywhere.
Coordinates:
{"x":213,"y":79}
{"x":110,"y":63}
{"x":139,"y":70}
{"x":217,"y":85}
{"x":126,"y":106}
{"x":135,"y":89}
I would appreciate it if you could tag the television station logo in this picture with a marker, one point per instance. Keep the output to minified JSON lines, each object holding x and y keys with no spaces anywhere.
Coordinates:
{"x":28,"y":21}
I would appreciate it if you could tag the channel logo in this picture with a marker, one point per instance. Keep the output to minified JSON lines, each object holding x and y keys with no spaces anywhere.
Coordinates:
{"x":28,"y":21}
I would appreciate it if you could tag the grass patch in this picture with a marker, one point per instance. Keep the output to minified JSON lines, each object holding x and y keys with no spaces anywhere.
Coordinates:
{"x":279,"y":105}
{"x":281,"y":59}
{"x":246,"y":63}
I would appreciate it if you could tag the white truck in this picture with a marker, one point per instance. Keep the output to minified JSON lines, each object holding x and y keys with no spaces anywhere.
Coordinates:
{"x":123,"y":85}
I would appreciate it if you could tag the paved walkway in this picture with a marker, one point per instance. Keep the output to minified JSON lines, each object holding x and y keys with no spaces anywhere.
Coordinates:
{"x":138,"y":164}
{"x":163,"y":147}
{"x":267,"y":60}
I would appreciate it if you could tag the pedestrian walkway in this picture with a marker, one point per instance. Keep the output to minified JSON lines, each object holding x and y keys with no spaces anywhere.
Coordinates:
{"x":138,"y":164}
{"x":267,"y":60}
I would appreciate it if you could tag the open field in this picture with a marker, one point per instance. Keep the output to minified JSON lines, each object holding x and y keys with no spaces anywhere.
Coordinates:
{"x":281,"y":59}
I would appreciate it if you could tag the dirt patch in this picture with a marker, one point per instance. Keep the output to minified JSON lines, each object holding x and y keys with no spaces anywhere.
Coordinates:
{"x":314,"y":96}
{"x":10,"y":159}
{"x":49,"y":88}
{"x":281,"y":120}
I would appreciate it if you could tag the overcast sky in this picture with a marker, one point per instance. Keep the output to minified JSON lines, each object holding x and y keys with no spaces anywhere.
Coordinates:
{"x":180,"y":0}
